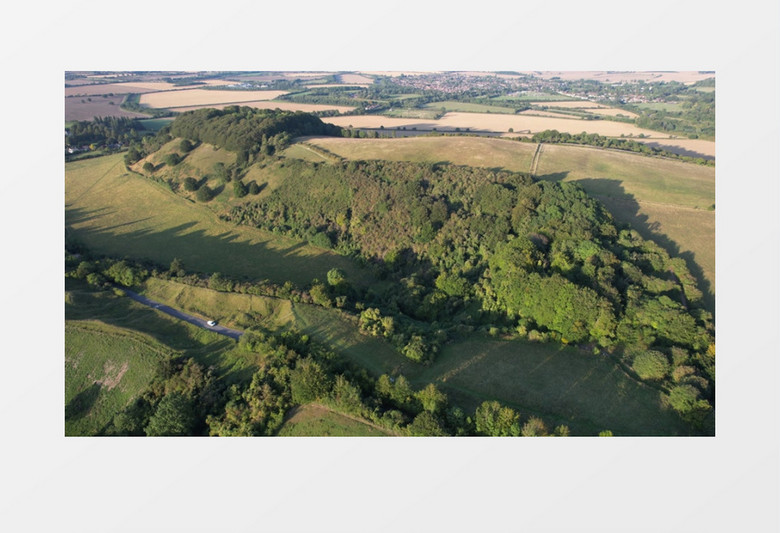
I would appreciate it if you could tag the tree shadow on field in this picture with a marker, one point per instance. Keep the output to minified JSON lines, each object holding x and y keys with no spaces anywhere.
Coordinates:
{"x":626,"y":209}
{"x":555,"y":176}
{"x":82,"y":402}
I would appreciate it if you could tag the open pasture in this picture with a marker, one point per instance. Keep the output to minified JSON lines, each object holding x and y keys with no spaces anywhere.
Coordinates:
{"x":466,"y":107}
{"x":204,"y":97}
{"x":123,"y":214}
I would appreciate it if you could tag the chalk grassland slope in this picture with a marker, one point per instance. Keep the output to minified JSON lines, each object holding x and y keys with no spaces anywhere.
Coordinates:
{"x":273,"y":104}
{"x":118,"y":213}
{"x":561,"y":384}
{"x":495,"y":122}
{"x":190,"y":97}
{"x":315,"y":420}
{"x":658,"y":197}
{"x":106,"y":367}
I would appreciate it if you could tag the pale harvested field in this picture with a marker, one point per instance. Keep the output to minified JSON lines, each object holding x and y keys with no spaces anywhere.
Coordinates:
{"x":116,"y":88}
{"x":274,"y":104}
{"x":499,"y":123}
{"x":690,"y":147}
{"x":355,"y":78}
{"x":617,"y":77}
{"x":319,"y":85}
{"x":203,"y":97}
{"x":471,"y":151}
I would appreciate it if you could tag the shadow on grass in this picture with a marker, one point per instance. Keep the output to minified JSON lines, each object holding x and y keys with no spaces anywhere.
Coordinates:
{"x":80,"y":405}
{"x":626,"y":209}
{"x":228,"y":252}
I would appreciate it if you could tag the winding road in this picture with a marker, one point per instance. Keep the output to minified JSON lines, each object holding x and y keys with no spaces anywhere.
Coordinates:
{"x":222,"y":330}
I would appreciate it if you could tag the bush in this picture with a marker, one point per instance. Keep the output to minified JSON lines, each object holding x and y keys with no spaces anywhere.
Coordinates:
{"x":190,"y":184}
{"x":651,"y":364}
{"x":204,"y":194}
{"x":185,"y":145}
{"x":148,"y":167}
{"x":172,"y":159}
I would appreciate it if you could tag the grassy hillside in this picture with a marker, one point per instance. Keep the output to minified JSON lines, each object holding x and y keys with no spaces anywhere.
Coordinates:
{"x":106,"y":367}
{"x":119,"y":213}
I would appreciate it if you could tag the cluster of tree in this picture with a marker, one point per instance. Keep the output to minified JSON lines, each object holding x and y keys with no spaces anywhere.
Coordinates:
{"x":594,"y":139}
{"x":104,"y":131}
{"x":248,"y":132}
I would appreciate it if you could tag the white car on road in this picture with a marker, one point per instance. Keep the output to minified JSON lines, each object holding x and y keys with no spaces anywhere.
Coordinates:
{"x":211,"y":323}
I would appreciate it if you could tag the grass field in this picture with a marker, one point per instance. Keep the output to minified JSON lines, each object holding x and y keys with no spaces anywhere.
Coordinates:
{"x":155,"y":124}
{"x":122,"y":214}
{"x":314,"y":420}
{"x":452,"y":105}
{"x":422,"y":114}
{"x":106,"y":367}
{"x":234,"y":310}
{"x":563,"y":385}
{"x":472,"y":151}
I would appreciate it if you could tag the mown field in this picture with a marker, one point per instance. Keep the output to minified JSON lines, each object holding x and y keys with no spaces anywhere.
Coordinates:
{"x":666,"y":200}
{"x":119,"y":213}
{"x":314,"y":420}
{"x":563,"y":385}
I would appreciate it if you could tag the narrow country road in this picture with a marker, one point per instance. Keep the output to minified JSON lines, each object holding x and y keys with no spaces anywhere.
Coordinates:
{"x":222,"y":330}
